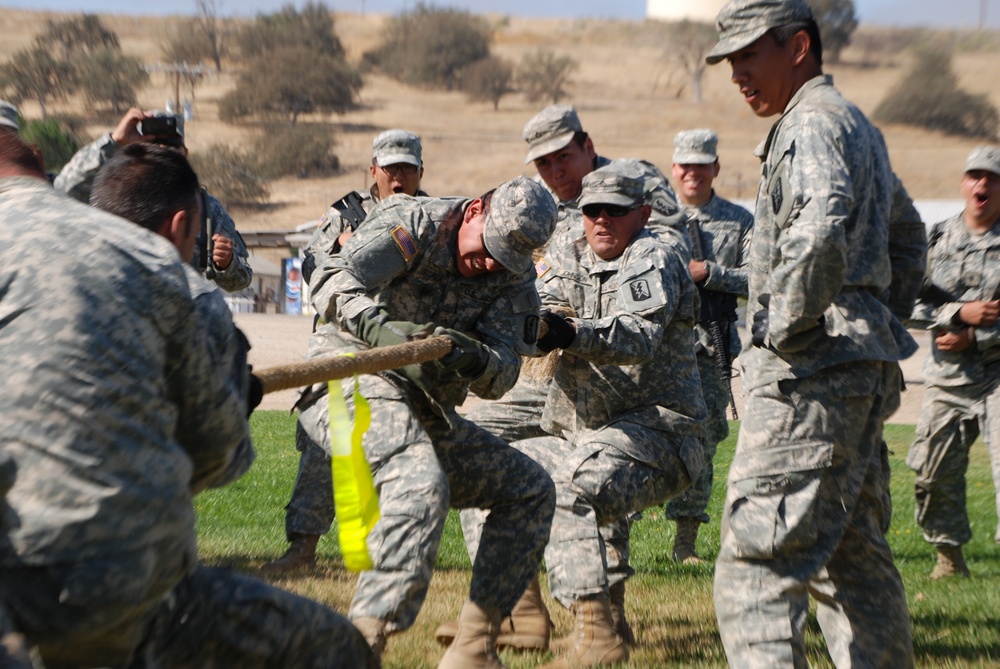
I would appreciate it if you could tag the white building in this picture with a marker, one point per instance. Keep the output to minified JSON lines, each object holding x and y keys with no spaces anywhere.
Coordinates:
{"x":678,"y":10}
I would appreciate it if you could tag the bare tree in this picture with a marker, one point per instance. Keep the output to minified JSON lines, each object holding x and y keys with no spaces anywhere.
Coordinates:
{"x":837,"y":21}
{"x":689,"y":43}
{"x":543,"y":74}
{"x":212,"y":28}
{"x":488,"y":79}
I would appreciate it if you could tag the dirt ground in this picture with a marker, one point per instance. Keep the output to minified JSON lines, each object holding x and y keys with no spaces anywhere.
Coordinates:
{"x":279,"y":340}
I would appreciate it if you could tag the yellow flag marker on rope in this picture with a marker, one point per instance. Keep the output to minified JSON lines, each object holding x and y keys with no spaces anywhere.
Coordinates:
{"x":354,"y":495}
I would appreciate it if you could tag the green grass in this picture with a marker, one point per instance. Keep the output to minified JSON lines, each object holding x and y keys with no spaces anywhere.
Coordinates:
{"x":955,"y":624}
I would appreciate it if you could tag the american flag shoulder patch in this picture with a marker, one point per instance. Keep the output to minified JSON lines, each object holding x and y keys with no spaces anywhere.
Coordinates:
{"x":541,"y":267}
{"x":404,"y":242}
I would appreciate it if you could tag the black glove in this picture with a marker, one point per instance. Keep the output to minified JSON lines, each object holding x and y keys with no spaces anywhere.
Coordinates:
{"x":560,"y":333}
{"x":761,"y":321}
{"x":375,"y":329}
{"x":468,"y":358}
{"x":255,"y":393}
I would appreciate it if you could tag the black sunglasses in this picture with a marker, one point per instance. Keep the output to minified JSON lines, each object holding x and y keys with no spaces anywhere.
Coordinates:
{"x":399,"y":168}
{"x":612,"y":210}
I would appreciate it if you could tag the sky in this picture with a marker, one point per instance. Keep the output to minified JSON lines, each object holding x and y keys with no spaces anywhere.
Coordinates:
{"x":937,"y":13}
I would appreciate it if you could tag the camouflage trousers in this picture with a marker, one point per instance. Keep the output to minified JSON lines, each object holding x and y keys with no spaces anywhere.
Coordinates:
{"x":693,"y":502}
{"x":806,"y":512}
{"x":310,"y":509}
{"x":141,"y":611}
{"x":951,"y":419}
{"x":518,"y":416}
{"x":422,"y":464}
{"x":598,"y":483}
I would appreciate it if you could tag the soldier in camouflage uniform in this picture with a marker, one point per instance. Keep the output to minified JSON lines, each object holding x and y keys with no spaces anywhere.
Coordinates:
{"x":453,"y":266}
{"x":114,"y":417}
{"x":831,"y":265}
{"x":962,"y":398}
{"x":232,"y":271}
{"x":724,"y":231}
{"x":563,"y":154}
{"x":397,"y":167}
{"x":618,"y":438}
{"x":123,"y":188}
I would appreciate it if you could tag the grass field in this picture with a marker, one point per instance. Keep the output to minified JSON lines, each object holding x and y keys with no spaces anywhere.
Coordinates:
{"x":955,"y":624}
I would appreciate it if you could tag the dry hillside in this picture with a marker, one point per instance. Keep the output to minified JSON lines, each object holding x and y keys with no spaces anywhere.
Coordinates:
{"x":624,"y":90}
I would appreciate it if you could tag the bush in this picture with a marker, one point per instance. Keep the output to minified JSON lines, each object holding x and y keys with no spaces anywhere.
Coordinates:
{"x":230,"y":175}
{"x":429,"y":46}
{"x":311,"y":28}
{"x":109,"y":79}
{"x":929,"y":97}
{"x":57,"y":139}
{"x":488,"y":79}
{"x":291,"y":81}
{"x":543,"y":75}
{"x":301,"y":150}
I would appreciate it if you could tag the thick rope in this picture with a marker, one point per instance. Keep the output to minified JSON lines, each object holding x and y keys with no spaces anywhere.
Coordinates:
{"x":299,"y":374}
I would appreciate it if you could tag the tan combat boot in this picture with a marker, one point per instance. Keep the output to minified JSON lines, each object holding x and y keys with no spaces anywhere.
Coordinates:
{"x":624,"y":630}
{"x":596,"y":643}
{"x":474,"y":646}
{"x":301,"y":554}
{"x":527,"y":628}
{"x":687,"y":534}
{"x":622,"y":627}
{"x":950,"y":562}
{"x":373,"y":630}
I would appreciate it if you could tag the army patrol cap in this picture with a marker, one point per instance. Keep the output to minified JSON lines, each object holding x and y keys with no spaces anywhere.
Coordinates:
{"x":985,"y":158}
{"x":740,"y":23}
{"x":550,"y":130}
{"x":695,"y":147}
{"x":397,"y":146}
{"x":616,"y":183}
{"x":8,"y":115}
{"x":521,"y":218}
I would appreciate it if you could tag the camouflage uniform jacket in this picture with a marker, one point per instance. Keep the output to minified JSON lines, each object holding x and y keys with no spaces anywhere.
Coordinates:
{"x":110,"y":406}
{"x":77,"y":178}
{"x":968,"y":267}
{"x":822,"y":247}
{"x":726,"y":230}
{"x":229,"y":348}
{"x":323,"y":243}
{"x":633,"y":355}
{"x":404,"y":258}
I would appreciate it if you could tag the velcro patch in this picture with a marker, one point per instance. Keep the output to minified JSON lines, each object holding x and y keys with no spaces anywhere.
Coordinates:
{"x":541,"y":267}
{"x":405,"y":243}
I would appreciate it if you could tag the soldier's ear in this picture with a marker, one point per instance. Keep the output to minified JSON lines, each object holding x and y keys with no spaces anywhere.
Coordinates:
{"x":474,"y":209}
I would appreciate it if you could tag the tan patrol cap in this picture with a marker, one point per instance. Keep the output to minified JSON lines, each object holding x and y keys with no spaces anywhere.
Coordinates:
{"x":695,"y":147}
{"x":521,"y":218}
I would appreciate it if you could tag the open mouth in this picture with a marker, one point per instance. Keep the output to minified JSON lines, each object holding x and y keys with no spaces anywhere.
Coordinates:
{"x":478,"y":265}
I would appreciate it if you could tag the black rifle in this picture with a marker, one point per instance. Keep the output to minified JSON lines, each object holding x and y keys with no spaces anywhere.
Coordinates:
{"x":205,"y":263}
{"x":716,"y":308}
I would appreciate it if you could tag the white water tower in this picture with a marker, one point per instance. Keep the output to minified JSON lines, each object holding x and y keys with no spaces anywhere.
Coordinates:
{"x":678,"y":10}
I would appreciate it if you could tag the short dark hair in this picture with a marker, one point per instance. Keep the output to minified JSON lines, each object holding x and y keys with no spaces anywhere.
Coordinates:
{"x":146,"y":184}
{"x":19,"y":154}
{"x":487,"y":199}
{"x":580,"y":137}
{"x":784,"y":33}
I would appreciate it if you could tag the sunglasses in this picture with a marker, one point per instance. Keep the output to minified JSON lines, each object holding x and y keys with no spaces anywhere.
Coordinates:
{"x":612,"y":210}
{"x":397,"y":169}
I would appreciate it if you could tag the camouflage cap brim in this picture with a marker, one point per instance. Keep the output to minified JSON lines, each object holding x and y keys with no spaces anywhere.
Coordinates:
{"x":545,"y":148}
{"x":504,"y":254}
{"x":733,"y":42}
{"x":608,"y":197}
{"x":985,"y":158}
{"x":396,"y":158}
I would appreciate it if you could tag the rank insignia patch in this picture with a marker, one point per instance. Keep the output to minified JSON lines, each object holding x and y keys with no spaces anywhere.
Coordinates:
{"x":405,"y":243}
